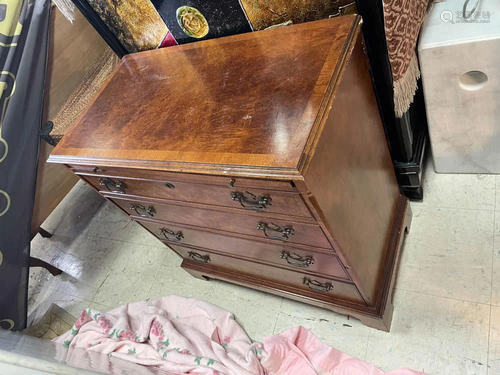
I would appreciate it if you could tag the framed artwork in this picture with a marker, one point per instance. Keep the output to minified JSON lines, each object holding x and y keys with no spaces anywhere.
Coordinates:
{"x":135,"y":23}
{"x":138,"y":25}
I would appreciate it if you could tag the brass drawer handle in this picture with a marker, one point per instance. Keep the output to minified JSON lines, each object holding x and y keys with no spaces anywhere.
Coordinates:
{"x":317,"y":286}
{"x":144,"y":211}
{"x":297,"y":260}
{"x":284,"y":232}
{"x":253,"y":203}
{"x":198,"y":257}
{"x":113,"y":186}
{"x":177,"y":235}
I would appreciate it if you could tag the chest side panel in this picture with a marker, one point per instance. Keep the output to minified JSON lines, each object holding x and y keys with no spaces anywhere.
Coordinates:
{"x":350,"y":178}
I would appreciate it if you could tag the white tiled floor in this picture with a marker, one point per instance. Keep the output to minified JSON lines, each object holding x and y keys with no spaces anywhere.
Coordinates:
{"x":447,"y":304}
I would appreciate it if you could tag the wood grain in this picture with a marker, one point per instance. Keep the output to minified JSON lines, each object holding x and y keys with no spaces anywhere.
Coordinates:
{"x":258,"y":94}
{"x":52,"y":184}
{"x":244,"y":199}
{"x":324,"y":262}
{"x":343,"y":290}
{"x":361,"y":210}
{"x":73,"y":48}
{"x":232,"y":222}
{"x":173,"y":177}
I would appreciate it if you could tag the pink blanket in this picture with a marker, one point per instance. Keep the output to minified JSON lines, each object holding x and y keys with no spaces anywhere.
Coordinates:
{"x":188,"y":336}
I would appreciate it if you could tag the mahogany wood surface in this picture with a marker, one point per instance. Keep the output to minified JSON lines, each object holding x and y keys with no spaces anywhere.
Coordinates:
{"x":257,"y":94}
{"x":73,"y":49}
{"x":378,"y":317}
{"x":244,"y":198}
{"x":169,"y":177}
{"x":284,"y":255}
{"x":350,"y":196}
{"x":343,"y":290}
{"x":287,"y":114}
{"x":244,"y":222}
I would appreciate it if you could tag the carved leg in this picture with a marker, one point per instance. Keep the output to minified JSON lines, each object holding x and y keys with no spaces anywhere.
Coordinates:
{"x":44,"y":233}
{"x":35,"y":262}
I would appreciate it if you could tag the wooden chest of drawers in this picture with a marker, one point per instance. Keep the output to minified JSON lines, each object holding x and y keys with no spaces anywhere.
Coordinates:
{"x":259,"y":158}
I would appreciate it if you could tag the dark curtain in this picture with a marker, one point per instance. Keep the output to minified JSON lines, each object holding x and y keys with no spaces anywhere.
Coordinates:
{"x":24,"y":33}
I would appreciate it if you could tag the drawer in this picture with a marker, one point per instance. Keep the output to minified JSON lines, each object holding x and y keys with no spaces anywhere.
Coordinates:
{"x":285,"y":256}
{"x":171,"y":177}
{"x":250,"y":223}
{"x":251,"y":199}
{"x":300,"y":280}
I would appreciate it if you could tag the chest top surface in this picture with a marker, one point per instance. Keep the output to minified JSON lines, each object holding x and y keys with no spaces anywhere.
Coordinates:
{"x":250,"y":100}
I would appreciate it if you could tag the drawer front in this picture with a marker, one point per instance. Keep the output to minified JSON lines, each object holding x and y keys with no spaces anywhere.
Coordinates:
{"x":249,"y":199}
{"x":273,"y":230}
{"x":172,"y":177}
{"x":300,"y":280}
{"x":281,"y":255}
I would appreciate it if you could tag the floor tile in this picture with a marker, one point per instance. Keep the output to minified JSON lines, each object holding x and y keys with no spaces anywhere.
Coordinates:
{"x":86,"y":265}
{"x":133,"y":258}
{"x":257,"y":312}
{"x":494,"y":345}
{"x":56,"y":217}
{"x":40,"y":281}
{"x":120,"y":288}
{"x":173,"y":280}
{"x":109,"y":222}
{"x":100,"y":307}
{"x":53,"y":247}
{"x":172,"y":259}
{"x":472,"y":191}
{"x":497,"y":195}
{"x":133,"y":272}
{"x":135,"y":233}
{"x":336,"y":330}
{"x":77,"y":220}
{"x":85,"y":192}
{"x":439,"y":336}
{"x":51,"y":250}
{"x":448,"y":253}
{"x":495,"y":286}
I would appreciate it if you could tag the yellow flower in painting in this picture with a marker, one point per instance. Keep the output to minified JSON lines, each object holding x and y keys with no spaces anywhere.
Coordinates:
{"x":192,"y":22}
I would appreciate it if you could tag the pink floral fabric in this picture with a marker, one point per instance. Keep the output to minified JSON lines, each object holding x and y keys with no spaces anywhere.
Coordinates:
{"x":180,"y":335}
{"x":174,"y":334}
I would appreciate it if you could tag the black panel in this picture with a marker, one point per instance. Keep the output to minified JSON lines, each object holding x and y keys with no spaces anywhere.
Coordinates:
{"x":407,"y":136}
{"x":224,"y":17}
{"x":376,"y":47}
